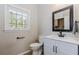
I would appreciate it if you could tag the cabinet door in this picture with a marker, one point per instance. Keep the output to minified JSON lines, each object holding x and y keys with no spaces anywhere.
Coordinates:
{"x":48,"y":47}
{"x":64,"y":48}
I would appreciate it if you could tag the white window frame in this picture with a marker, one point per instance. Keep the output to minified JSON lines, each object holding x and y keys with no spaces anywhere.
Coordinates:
{"x":7,"y":25}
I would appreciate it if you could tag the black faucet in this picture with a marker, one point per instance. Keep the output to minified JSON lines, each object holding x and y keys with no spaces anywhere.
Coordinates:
{"x":60,"y":34}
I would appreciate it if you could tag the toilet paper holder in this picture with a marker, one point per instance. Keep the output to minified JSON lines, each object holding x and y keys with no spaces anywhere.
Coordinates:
{"x":19,"y":37}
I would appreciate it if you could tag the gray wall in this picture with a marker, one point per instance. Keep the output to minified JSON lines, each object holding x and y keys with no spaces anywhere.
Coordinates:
{"x":8,"y":42}
{"x":45,"y":17}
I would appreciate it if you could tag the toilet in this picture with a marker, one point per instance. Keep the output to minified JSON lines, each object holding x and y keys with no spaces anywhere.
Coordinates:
{"x":36,"y":48}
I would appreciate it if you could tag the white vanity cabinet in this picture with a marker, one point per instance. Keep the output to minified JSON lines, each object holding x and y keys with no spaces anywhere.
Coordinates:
{"x":58,"y":47}
{"x":66,"y":48}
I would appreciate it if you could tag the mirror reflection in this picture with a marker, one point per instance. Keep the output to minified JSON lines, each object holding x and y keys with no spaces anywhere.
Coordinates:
{"x":62,"y":20}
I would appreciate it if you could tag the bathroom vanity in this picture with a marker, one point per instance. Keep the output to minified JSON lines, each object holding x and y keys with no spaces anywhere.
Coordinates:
{"x":54,"y":45}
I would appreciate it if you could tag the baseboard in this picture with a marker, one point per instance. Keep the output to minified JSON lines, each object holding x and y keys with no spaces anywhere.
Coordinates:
{"x":28,"y":52}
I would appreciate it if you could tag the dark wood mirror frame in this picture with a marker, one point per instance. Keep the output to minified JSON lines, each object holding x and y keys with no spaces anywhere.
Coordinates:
{"x":70,"y":16}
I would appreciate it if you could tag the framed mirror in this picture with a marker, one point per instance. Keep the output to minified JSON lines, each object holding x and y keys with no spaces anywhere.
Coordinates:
{"x":63,"y":19}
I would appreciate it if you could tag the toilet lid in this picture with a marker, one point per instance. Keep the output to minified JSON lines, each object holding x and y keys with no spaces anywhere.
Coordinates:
{"x":35,"y":44}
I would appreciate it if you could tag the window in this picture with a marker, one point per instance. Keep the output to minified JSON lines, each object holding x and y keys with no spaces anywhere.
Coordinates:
{"x":16,"y":18}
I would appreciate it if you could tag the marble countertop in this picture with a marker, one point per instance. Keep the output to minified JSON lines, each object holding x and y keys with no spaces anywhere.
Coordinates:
{"x":69,"y":39}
